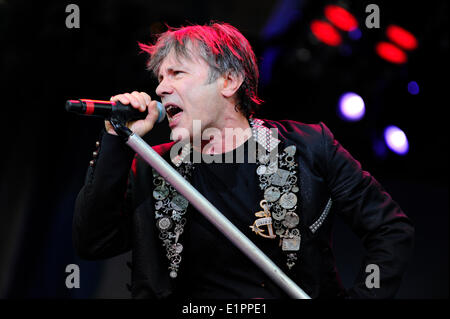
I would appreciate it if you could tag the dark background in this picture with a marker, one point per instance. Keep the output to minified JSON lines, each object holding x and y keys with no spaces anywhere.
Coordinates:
{"x":46,"y":151}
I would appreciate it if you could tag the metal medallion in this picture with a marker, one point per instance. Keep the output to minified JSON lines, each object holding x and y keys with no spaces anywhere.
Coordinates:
{"x":294,"y":232}
{"x":290,"y":150}
{"x":179,"y":203}
{"x":178,"y":248}
{"x":291,"y":220}
{"x":272,"y":193}
{"x":291,"y":244}
{"x":288,"y":200}
{"x":264,"y":158}
{"x":164,"y":223}
{"x":280,"y":177}
{"x":158,"y":205}
{"x":160,"y":192}
{"x":279,"y":215}
{"x":158,"y":181}
{"x":261,"y":170}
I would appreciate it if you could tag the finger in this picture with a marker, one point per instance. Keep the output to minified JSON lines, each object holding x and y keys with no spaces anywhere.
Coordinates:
{"x":153,"y":113}
{"x":121,"y":98}
{"x":147,"y":98}
{"x":141,"y":100}
{"x":133,"y":100}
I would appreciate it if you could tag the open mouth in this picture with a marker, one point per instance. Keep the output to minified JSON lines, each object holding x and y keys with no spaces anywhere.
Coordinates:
{"x":172,"y":110}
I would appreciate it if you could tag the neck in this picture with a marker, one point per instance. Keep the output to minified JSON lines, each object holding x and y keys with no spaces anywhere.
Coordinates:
{"x":231,"y":133}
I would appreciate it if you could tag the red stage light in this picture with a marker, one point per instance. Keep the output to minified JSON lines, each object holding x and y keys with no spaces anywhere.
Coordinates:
{"x":391,"y":53}
{"x":325,"y":32}
{"x":341,"y":18}
{"x":401,"y":37}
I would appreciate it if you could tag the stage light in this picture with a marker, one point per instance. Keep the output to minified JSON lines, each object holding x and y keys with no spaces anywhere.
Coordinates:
{"x":413,"y":87}
{"x":390,"y":53}
{"x":325,"y":32}
{"x":355,"y":34}
{"x":401,"y":37}
{"x":396,"y":140}
{"x":351,"y":107}
{"x":340,"y":17}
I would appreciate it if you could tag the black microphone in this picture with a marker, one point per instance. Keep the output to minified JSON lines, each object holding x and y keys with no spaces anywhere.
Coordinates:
{"x":106,"y":109}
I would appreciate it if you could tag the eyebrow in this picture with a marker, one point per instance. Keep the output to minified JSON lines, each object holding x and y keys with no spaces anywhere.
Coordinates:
{"x":171,"y":69}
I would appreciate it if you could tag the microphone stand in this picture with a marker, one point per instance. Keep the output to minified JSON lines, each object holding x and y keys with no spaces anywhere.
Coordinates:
{"x":206,"y":208}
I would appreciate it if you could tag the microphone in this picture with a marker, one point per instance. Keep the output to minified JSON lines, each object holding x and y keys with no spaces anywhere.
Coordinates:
{"x":106,"y":109}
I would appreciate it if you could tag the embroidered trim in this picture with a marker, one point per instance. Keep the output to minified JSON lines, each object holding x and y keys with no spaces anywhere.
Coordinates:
{"x":316,"y":225}
{"x":277,"y":172}
{"x":170,"y":207}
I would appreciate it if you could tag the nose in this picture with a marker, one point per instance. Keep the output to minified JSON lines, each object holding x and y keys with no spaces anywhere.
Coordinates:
{"x":164,"y":88}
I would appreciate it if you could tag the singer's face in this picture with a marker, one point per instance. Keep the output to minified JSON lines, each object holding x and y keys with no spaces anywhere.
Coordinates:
{"x":187,"y":95}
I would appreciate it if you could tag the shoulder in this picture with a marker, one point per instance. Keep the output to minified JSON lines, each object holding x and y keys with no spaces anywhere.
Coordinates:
{"x":300,"y":132}
{"x":162,"y":150}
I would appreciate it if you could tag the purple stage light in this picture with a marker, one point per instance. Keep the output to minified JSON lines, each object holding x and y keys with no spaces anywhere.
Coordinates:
{"x":396,"y":140}
{"x":351,"y":107}
{"x":413,"y":87}
{"x":355,"y":34}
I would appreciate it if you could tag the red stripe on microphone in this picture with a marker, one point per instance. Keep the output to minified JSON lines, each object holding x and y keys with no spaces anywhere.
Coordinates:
{"x":89,"y":107}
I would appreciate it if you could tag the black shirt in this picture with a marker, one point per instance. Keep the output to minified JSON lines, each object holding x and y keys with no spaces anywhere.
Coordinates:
{"x":212,"y":267}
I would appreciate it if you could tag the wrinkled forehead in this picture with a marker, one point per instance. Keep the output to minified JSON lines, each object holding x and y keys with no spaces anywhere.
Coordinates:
{"x":181,"y":55}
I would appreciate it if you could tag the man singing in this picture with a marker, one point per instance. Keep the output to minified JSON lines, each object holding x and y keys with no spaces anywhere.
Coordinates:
{"x":282,"y":195}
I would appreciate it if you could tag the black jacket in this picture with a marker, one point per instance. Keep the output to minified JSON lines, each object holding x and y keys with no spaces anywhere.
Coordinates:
{"x":114,"y":213}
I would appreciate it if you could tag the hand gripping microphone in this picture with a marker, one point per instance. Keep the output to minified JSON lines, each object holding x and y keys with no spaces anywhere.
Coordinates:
{"x":106,"y":109}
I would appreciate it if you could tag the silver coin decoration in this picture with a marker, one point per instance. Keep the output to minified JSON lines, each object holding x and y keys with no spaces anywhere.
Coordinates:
{"x":264,"y":158}
{"x":271,"y":194}
{"x":291,"y":220}
{"x":169,"y":210}
{"x":160,"y":192}
{"x":178,"y":248}
{"x":261,"y":170}
{"x":291,"y":244}
{"x":164,"y":223}
{"x":280,"y":177}
{"x":279,"y":183}
{"x":295,"y":232}
{"x":279,"y":215}
{"x":288,"y":200}
{"x":290,"y":150}
{"x":179,"y":202}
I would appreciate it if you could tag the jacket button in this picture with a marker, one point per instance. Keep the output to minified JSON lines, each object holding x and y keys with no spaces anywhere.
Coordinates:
{"x":91,"y":163}
{"x":97,"y":144}
{"x":94,"y":154}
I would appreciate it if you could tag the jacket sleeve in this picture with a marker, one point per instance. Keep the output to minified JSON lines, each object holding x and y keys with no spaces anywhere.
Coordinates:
{"x":102,"y":216}
{"x":386,"y":232}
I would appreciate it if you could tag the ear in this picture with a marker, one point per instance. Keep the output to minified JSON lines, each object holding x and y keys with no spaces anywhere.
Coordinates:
{"x":231,"y":82}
